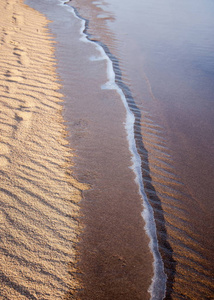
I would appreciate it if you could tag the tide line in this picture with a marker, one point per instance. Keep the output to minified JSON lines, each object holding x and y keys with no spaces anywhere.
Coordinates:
{"x":157,"y":288}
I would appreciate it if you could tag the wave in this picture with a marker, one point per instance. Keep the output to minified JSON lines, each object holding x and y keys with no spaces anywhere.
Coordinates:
{"x":158,"y":285}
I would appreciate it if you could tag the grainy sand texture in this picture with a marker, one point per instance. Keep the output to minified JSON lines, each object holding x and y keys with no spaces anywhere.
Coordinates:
{"x":39,"y":199}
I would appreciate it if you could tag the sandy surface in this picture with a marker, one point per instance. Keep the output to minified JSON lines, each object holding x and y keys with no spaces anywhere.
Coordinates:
{"x":39,"y":202}
{"x":42,"y":243}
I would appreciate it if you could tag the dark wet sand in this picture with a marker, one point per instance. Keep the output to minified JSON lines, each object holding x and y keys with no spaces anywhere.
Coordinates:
{"x":114,"y":257}
{"x":115,"y":260}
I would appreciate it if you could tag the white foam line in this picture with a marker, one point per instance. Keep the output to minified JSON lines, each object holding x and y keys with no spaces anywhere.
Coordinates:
{"x":158,"y":286}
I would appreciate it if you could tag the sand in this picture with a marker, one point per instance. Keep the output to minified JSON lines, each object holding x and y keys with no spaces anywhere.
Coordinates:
{"x":39,"y":198}
{"x":60,"y":239}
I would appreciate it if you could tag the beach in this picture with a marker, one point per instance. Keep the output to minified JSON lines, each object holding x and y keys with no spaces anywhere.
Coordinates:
{"x":63,"y":238}
{"x":106,"y":150}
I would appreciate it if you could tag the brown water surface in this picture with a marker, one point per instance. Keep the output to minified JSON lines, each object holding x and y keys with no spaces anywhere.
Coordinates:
{"x":163,"y":59}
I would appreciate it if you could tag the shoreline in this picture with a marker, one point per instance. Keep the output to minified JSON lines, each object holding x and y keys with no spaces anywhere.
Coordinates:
{"x":157,"y":288}
{"x":95,"y":120}
{"x":181,"y":214}
{"x":114,"y":82}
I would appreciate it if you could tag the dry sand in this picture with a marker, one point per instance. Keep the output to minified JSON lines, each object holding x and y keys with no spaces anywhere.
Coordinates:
{"x":39,"y":197}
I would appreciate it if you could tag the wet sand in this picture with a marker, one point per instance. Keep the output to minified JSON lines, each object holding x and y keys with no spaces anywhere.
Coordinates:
{"x":39,"y":205}
{"x":115,"y":259}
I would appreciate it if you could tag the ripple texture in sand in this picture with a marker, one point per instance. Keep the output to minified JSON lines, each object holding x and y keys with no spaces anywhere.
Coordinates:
{"x":38,"y":197}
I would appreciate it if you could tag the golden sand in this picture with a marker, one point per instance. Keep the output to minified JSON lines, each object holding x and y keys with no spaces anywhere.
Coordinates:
{"x":39,"y":198}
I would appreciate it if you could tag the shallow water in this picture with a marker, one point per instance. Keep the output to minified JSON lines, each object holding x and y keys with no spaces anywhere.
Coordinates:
{"x":164,"y":54}
{"x":163,"y":57}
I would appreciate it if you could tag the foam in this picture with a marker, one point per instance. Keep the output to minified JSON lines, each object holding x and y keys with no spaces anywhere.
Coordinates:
{"x":158,"y":285}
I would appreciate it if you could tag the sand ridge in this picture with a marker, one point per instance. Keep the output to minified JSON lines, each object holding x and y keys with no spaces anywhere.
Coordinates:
{"x":39,"y":204}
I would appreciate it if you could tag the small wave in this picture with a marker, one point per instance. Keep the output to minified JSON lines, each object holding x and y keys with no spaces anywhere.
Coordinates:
{"x":157,"y":288}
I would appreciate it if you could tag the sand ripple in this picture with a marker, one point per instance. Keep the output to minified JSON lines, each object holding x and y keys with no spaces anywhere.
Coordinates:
{"x":186,"y":261}
{"x":38,"y":197}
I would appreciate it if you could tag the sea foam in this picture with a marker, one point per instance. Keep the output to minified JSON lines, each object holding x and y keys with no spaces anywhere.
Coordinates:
{"x":158,"y":286}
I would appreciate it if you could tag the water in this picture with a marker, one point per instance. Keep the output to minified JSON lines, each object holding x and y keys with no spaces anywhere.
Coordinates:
{"x":162,"y":56}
